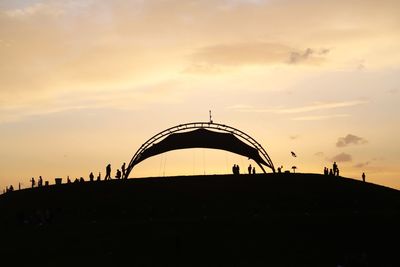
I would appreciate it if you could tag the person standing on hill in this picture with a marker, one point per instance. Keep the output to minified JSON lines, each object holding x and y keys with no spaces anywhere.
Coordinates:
{"x":335,"y":167}
{"x":33,"y":182}
{"x":249,"y":169}
{"x":234,"y":169}
{"x":123,"y":170}
{"x":363,"y":177}
{"x":108,"y":172}
{"x":91,"y":177}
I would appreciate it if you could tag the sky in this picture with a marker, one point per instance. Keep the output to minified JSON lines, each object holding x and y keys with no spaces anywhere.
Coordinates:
{"x":85,"y":83}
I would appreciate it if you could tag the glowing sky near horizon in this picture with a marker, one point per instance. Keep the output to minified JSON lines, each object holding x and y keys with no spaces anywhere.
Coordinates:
{"x":85,"y":83}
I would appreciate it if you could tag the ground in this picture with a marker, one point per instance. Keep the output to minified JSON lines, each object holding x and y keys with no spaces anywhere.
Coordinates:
{"x":217,"y":220}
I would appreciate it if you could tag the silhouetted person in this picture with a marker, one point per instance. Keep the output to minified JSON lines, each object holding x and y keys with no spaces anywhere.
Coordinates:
{"x":330,"y":172}
{"x":19,"y":186}
{"x":237,"y":169}
{"x":337,"y":171}
{"x":40,"y":181}
{"x":68,"y":180}
{"x":254,"y":170}
{"x":123,"y":170}
{"x":326,"y":171}
{"x":335,"y":167}
{"x":91,"y":176}
{"x":81,"y":180}
{"x":11,"y":188}
{"x":280,"y":169}
{"x":76,"y":181}
{"x":363,"y":177}
{"x":118,"y":174}
{"x":108,"y":172}
{"x":99,"y":177}
{"x":249,"y":169}
{"x":33,"y":182}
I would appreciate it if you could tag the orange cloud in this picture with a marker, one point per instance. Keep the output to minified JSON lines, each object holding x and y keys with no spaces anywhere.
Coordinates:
{"x":350,"y":139}
{"x":256,"y":53}
{"x":342,"y":157}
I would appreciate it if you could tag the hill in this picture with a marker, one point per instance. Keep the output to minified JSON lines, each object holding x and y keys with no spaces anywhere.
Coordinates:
{"x":218,"y":220}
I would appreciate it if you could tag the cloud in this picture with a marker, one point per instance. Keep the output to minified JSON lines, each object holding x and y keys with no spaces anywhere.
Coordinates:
{"x":361,"y":66}
{"x":294,"y":137}
{"x":33,"y":10}
{"x":203,"y":69}
{"x":240,"y":107}
{"x":253,"y":53}
{"x":319,"y":154}
{"x":321,"y":117}
{"x":297,"y":57}
{"x":342,"y":157}
{"x":235,"y":3}
{"x":323,"y":106}
{"x":137,"y":98}
{"x":350,"y":139}
{"x":362,"y":164}
{"x":49,"y":47}
{"x":318,"y":106}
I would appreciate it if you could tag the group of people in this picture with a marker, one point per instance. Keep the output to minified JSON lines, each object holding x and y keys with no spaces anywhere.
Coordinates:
{"x":335,"y":171}
{"x":33,"y":184}
{"x":39,"y":183}
{"x":251,"y":169}
{"x":332,"y":172}
{"x":236,"y":169}
{"x":119,"y":175}
{"x":8,"y":189}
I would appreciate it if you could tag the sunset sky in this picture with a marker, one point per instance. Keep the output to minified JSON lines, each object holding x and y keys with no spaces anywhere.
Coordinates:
{"x":85,"y":83}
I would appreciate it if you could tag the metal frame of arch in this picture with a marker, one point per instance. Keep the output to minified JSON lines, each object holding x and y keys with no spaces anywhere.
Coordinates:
{"x":198,"y":125}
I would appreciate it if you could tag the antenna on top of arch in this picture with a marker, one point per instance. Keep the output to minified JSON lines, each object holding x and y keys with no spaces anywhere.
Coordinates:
{"x":211,"y":121}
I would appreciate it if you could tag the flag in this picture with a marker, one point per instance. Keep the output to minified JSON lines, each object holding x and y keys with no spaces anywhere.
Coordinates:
{"x":293,"y":154}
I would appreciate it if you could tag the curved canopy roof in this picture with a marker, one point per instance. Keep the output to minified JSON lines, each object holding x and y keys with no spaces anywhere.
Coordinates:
{"x":202,"y":138}
{"x":202,"y":135}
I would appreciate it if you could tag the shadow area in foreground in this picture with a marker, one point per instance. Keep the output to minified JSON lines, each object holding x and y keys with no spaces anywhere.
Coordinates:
{"x":219,"y":220}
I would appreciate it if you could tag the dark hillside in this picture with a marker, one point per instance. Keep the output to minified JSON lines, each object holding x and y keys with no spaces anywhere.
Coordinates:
{"x":220,"y":220}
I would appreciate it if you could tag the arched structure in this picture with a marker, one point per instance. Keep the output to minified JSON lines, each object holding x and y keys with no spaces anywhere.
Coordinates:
{"x":202,"y":135}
